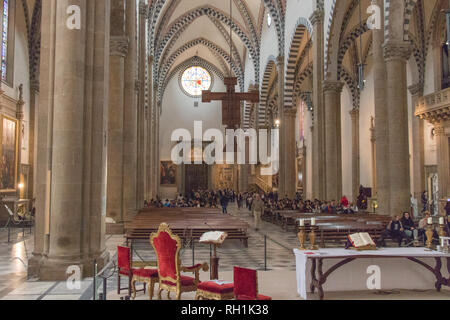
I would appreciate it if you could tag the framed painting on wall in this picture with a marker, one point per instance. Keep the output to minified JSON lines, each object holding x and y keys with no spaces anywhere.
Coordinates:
{"x":168,"y":174}
{"x":9,"y":154}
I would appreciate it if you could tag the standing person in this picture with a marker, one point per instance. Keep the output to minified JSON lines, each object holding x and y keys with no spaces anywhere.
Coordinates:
{"x":257,"y":208}
{"x":224,"y":202}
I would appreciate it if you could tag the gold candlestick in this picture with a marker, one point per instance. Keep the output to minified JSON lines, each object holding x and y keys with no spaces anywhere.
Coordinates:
{"x":312,"y":238}
{"x":442,"y":232}
{"x":302,"y":238}
{"x":429,"y":234}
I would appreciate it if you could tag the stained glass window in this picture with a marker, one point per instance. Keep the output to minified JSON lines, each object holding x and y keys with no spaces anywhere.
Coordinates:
{"x":196,"y":79}
{"x":5,"y":37}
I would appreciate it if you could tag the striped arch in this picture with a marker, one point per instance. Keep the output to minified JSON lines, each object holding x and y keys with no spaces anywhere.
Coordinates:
{"x":300,"y":30}
{"x":307,"y":72}
{"x":200,"y":41}
{"x":182,"y":22}
{"x":327,"y":38}
{"x":194,"y":61}
{"x":279,"y":23}
{"x":407,"y":16}
{"x":153,"y":19}
{"x":353,"y":86}
{"x":270,"y":66}
{"x":347,"y":42}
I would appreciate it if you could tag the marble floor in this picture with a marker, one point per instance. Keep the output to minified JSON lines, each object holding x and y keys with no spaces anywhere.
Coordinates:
{"x":278,"y":264}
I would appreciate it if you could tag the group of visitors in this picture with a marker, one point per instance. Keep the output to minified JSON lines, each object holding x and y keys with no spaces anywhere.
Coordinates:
{"x":404,"y":228}
{"x":197,"y":199}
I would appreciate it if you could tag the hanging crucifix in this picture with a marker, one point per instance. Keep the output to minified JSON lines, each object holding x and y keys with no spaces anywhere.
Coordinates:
{"x":231,"y":100}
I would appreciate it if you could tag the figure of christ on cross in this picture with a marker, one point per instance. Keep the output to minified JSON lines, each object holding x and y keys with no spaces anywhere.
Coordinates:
{"x":231,"y":102}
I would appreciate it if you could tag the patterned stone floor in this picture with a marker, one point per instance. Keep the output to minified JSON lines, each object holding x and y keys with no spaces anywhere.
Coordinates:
{"x":279,"y":281}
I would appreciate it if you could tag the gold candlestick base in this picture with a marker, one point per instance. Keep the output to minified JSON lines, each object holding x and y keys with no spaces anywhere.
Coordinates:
{"x":302,"y":238}
{"x":442,"y":232}
{"x":312,"y":239}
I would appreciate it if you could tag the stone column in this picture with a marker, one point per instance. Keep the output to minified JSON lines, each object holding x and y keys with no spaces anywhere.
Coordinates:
{"x":34,"y":102}
{"x":418,"y":144}
{"x":396,"y":54}
{"x":282,"y":190}
{"x":118,"y":52}
{"x":373,"y":141}
{"x":333,"y":148}
{"x":72,"y":131}
{"x":318,"y":145}
{"x":141,"y":132}
{"x":442,"y":132}
{"x":290,"y":147}
{"x":19,"y":117}
{"x":355,"y":154}
{"x":149,"y":120}
{"x":381,"y":118}
{"x":129,"y":202}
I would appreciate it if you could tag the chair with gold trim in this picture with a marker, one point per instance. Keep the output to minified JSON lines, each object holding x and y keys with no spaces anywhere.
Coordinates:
{"x":215,"y":290}
{"x":167,"y":247}
{"x":246,"y":285}
{"x":134,"y":273}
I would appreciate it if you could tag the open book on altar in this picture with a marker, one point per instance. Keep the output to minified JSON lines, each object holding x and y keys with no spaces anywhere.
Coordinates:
{"x":213,"y":237}
{"x":362,"y":241}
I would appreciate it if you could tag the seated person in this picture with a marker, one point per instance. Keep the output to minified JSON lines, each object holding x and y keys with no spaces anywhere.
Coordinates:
{"x":410,"y":228}
{"x":447,"y":226}
{"x":394,"y":230}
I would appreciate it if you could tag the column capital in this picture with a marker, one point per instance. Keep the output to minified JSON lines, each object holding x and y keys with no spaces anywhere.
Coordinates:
{"x":317,"y":16}
{"x":416,"y":89}
{"x":397,"y":50}
{"x":118,"y":46}
{"x":143,"y":8}
{"x":439,"y":130}
{"x":354,"y":113}
{"x":290,"y":112}
{"x":334,"y":86}
{"x":280,"y":60}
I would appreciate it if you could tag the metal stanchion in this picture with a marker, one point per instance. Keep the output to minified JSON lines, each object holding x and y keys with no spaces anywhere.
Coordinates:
{"x":193,"y":251}
{"x":265,"y":253}
{"x":94,"y":287}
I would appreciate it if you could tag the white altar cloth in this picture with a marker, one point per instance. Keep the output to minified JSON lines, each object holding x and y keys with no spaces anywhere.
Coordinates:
{"x":397,"y":273}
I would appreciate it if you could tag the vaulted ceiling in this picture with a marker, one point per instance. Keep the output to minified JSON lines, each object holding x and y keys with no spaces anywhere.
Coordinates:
{"x":180,"y":30}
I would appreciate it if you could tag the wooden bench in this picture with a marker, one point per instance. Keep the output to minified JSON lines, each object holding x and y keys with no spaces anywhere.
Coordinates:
{"x":188,"y":223}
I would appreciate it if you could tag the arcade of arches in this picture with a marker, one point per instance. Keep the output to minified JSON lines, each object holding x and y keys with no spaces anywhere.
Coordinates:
{"x":95,"y":107}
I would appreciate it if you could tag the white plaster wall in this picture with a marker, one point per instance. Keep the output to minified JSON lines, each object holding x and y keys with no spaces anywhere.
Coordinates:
{"x":178,"y":112}
{"x":429,"y":87}
{"x":269,"y":46}
{"x":295,"y":9}
{"x":366,"y":111}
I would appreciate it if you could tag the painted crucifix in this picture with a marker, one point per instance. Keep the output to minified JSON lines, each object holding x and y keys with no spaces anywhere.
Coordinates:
{"x":231,"y":102}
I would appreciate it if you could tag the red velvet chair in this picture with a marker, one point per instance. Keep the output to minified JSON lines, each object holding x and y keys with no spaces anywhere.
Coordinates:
{"x":211,"y":290}
{"x":147,"y":276}
{"x":167,"y":247}
{"x":246,"y":285}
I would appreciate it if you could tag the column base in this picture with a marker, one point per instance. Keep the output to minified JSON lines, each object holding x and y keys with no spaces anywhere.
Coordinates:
{"x":55,"y":269}
{"x":115,"y":228}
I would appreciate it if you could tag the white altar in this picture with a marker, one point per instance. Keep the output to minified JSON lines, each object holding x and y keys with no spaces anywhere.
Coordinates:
{"x":389,"y":266}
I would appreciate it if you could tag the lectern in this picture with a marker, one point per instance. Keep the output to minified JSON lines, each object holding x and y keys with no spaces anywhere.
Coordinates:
{"x":216,"y":239}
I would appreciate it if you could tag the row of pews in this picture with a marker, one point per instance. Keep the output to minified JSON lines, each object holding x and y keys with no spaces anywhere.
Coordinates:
{"x":332,"y":228}
{"x":188,"y":223}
